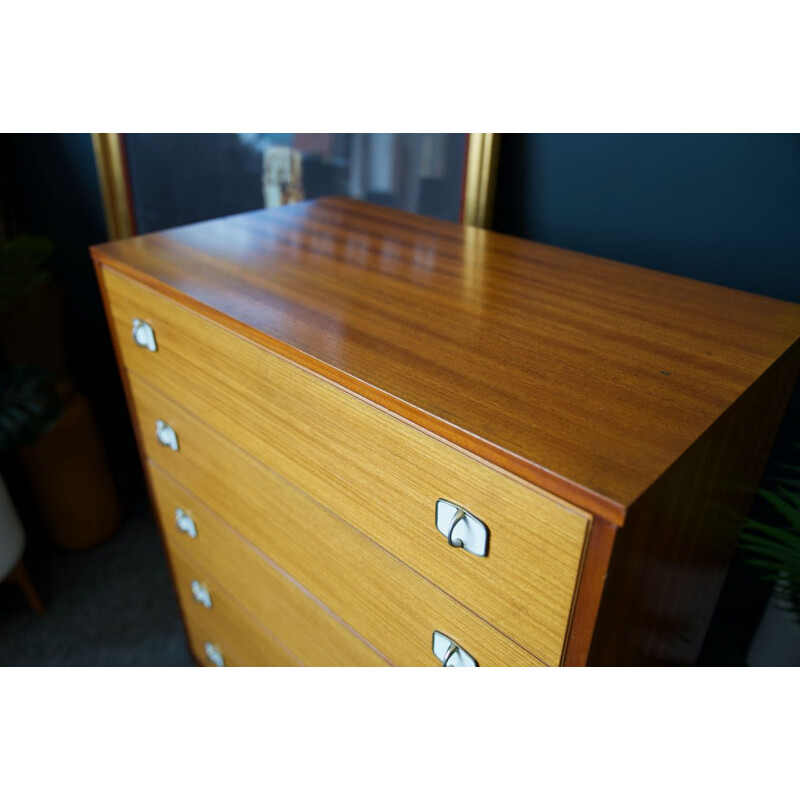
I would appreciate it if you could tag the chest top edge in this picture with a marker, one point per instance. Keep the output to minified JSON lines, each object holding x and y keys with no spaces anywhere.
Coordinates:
{"x":586,"y":377}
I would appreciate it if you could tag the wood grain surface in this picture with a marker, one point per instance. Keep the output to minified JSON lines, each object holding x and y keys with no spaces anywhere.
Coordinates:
{"x":670,"y":560}
{"x":591,"y":583}
{"x":293,"y":615}
{"x":123,"y":376}
{"x":388,"y":603}
{"x":384,"y":478}
{"x":200,"y":630}
{"x":240,"y":637}
{"x":381,"y":475}
{"x":585,"y":376}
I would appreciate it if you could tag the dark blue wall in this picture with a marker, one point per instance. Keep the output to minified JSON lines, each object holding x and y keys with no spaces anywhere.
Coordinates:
{"x":720,"y":208}
{"x":58,"y":188}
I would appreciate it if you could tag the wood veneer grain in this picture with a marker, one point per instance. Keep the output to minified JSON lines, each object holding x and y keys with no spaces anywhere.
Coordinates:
{"x":294,"y":616}
{"x":591,"y":583}
{"x":243,"y":641}
{"x":381,"y":598}
{"x":626,"y":392}
{"x":198,"y":632}
{"x":379,"y":474}
{"x":586,"y":376}
{"x":670,"y":559}
{"x":123,"y":376}
{"x":321,"y":642}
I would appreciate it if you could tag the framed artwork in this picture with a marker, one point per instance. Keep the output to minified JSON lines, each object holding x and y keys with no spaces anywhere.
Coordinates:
{"x":151,"y":182}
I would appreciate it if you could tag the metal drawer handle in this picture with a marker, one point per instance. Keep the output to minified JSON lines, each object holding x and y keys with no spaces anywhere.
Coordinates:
{"x":461,"y":528}
{"x":460,"y":514}
{"x":201,"y":594}
{"x":185,"y":523}
{"x":214,"y":654}
{"x":166,"y":435}
{"x":450,"y":653}
{"x":144,"y":335}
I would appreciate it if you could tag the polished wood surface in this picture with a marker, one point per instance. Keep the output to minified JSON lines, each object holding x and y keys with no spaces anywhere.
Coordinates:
{"x":200,"y":630}
{"x":670,"y":560}
{"x":378,"y":596}
{"x":586,"y":376}
{"x":591,"y":583}
{"x":295,"y":617}
{"x":242,"y":640}
{"x":123,"y":376}
{"x":371,"y":361}
{"x":379,"y":474}
{"x":533,"y":612}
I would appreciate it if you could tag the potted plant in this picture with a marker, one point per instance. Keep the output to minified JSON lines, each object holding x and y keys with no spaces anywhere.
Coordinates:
{"x":65,"y":466}
{"x":774,"y":550}
{"x":29,"y":407}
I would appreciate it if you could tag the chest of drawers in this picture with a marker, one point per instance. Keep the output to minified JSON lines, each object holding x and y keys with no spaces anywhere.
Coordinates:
{"x":372,"y":438}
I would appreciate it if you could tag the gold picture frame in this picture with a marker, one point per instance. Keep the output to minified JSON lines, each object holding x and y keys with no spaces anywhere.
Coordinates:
{"x":483,"y":153}
{"x":112,"y":174}
{"x":480,"y":178}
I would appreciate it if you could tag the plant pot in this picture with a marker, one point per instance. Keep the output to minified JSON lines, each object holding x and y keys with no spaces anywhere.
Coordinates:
{"x":776,"y":642}
{"x":12,"y":535}
{"x":71,"y":481}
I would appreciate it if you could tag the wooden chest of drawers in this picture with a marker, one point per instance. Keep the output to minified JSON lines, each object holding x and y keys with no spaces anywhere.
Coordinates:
{"x":373,"y":438}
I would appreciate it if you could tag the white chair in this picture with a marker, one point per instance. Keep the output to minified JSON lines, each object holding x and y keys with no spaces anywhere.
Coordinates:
{"x":12,"y":543}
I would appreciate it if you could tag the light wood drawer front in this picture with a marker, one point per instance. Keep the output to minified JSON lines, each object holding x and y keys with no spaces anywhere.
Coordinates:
{"x":384,"y":600}
{"x":242,"y":641}
{"x":378,"y":473}
{"x":200,"y":631}
{"x":233,"y":568}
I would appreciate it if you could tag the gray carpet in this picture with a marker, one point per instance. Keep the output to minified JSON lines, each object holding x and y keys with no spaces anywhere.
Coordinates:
{"x":111,"y":606}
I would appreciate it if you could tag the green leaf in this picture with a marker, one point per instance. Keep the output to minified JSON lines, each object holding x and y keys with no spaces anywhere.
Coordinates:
{"x":781,"y":539}
{"x":772,"y":549}
{"x":791,"y":482}
{"x":775,"y":546}
{"x":789,"y":563}
{"x":789,"y":467}
{"x":789,"y":538}
{"x":790,"y":497}
{"x":791,"y":513}
{"x":29,"y":405}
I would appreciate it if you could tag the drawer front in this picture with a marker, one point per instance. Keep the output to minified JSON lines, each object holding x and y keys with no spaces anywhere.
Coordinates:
{"x":202,"y":633}
{"x":228,"y":627}
{"x":376,"y":472}
{"x":231,"y":568}
{"x":384,"y":600}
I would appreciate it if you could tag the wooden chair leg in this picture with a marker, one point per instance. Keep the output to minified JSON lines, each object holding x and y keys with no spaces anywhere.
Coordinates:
{"x":22,"y":578}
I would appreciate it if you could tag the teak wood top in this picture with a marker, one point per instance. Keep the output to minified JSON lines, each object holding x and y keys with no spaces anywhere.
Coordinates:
{"x":586,"y":376}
